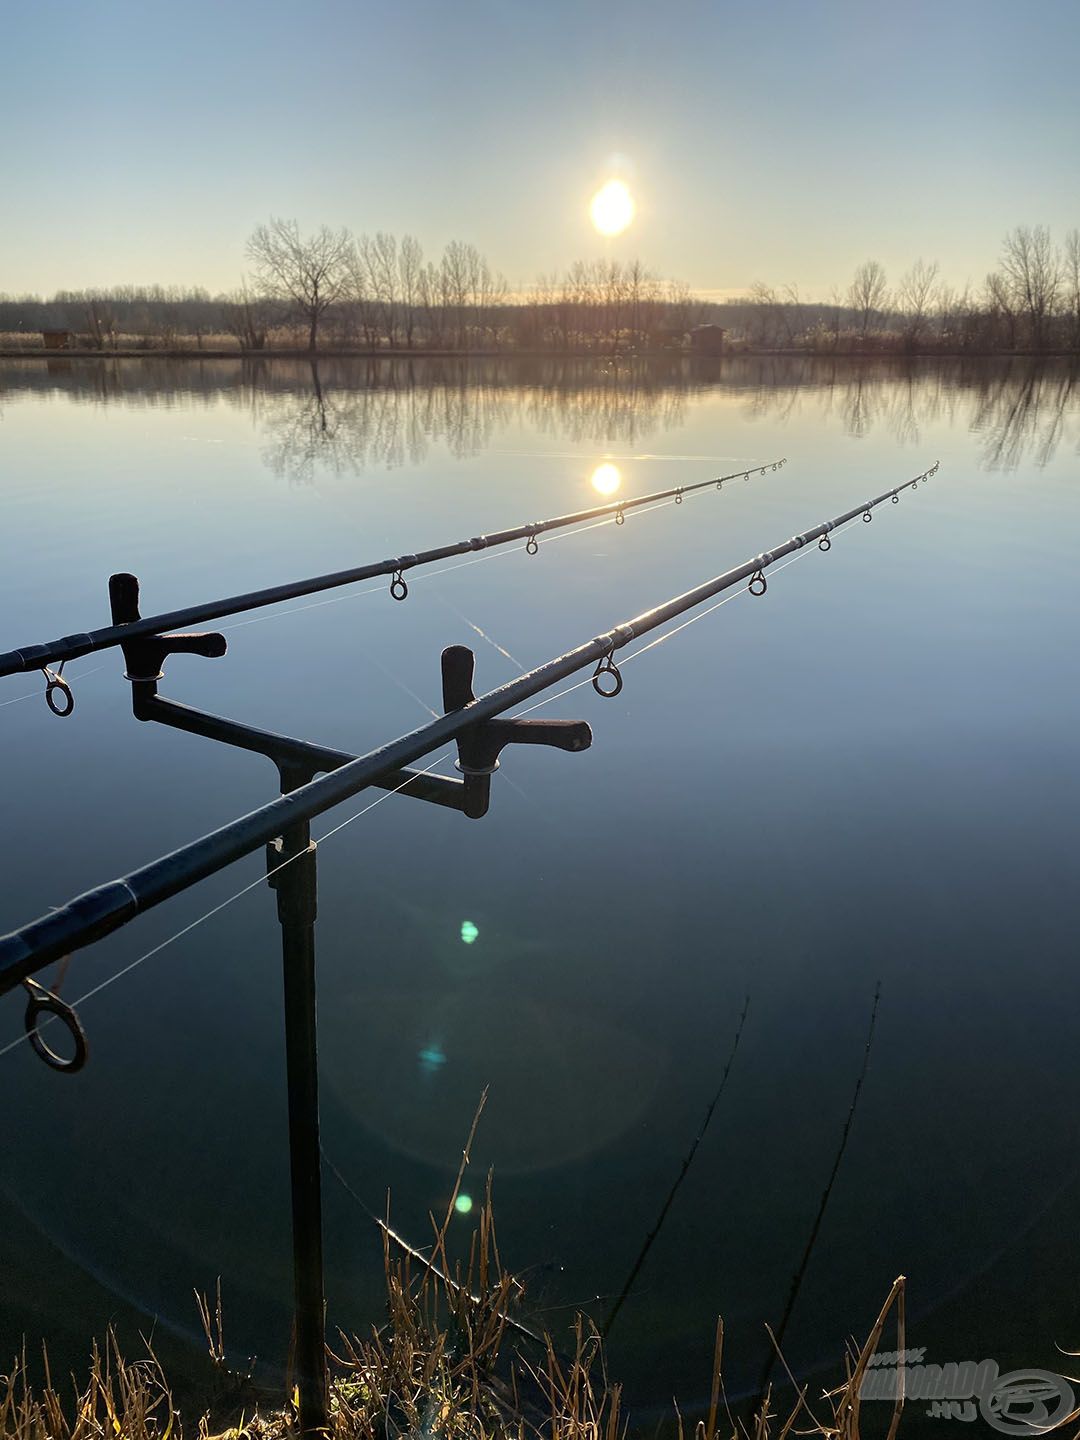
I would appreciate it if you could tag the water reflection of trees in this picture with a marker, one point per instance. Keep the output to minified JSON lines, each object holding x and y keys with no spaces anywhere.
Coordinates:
{"x":1021,"y":409}
{"x":359,"y":414}
{"x":1024,"y":414}
{"x":397,"y":415}
{"x":333,"y":428}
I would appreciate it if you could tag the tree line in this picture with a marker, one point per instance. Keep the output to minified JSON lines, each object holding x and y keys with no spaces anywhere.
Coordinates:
{"x":380,"y":292}
{"x":1030,"y":302}
{"x":329,"y":289}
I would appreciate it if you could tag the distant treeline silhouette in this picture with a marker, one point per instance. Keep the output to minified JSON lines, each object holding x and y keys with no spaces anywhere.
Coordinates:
{"x":332,"y":290}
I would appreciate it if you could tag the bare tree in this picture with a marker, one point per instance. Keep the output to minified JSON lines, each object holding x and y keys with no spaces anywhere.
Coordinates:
{"x":246,"y":317}
{"x":1072,"y":285}
{"x":868,"y":293}
{"x":1032,"y":268}
{"x":791,"y":313}
{"x":360,"y":293}
{"x":465,"y":282}
{"x":681,"y":310}
{"x":100,"y":317}
{"x":310,"y":273}
{"x":766,"y":304}
{"x":1000,"y":311}
{"x":430,"y":304}
{"x":915,"y":298}
{"x":456,"y":274}
{"x":837,"y":316}
{"x":490,"y":300}
{"x":643,"y":296}
{"x":536,"y":321}
{"x":410,"y":266}
{"x":377,"y":263}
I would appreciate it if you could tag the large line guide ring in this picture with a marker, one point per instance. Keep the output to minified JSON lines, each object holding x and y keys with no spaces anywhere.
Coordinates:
{"x":45,"y":1002}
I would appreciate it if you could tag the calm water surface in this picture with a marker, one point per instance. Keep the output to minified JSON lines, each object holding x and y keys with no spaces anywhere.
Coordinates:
{"x":870,"y":774}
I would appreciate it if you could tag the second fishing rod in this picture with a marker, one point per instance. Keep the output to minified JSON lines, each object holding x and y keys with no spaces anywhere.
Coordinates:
{"x":71,"y":647}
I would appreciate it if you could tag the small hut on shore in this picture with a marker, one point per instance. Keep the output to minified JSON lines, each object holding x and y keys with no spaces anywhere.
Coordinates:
{"x":707,"y":339}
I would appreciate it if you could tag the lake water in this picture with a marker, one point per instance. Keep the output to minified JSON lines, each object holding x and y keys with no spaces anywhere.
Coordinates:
{"x":869,"y":774}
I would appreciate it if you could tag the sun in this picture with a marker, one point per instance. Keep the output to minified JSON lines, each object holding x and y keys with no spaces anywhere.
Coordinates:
{"x":612,"y":208}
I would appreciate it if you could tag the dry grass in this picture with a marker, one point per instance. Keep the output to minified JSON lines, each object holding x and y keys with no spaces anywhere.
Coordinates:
{"x":449,"y":1362}
{"x":121,"y":1399}
{"x":442,"y":1365}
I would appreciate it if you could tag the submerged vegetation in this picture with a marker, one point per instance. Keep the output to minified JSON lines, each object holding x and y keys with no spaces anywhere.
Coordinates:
{"x":330,"y":290}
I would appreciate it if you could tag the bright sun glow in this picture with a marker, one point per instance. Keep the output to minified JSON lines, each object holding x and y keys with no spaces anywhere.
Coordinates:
{"x":612,"y":208}
{"x":606,"y":478}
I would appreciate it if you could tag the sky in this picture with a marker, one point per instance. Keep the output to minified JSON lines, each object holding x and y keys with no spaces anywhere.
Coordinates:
{"x":782,"y":140}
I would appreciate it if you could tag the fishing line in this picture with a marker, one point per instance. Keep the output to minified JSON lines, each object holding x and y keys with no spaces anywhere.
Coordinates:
{"x":461,"y":565}
{"x":482,"y":633}
{"x":69,"y":647}
{"x":33,"y":694}
{"x":397,"y":680}
{"x":658,"y":1225}
{"x":216,"y":909}
{"x":499,"y":554}
{"x":700,"y":615}
{"x":777,"y":1336}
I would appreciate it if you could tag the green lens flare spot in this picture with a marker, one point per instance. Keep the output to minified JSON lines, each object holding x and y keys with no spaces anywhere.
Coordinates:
{"x":469,"y":932}
{"x":463,"y":1204}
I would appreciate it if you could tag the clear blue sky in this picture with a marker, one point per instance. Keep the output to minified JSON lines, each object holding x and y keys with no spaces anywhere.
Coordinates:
{"x":783,"y":140}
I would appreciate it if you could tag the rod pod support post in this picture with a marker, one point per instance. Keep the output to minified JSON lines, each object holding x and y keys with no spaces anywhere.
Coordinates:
{"x":145,"y":657}
{"x":479,"y":747}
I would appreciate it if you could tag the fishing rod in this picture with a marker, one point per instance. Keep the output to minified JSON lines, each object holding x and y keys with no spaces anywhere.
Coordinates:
{"x":100,"y":911}
{"x":71,"y":647}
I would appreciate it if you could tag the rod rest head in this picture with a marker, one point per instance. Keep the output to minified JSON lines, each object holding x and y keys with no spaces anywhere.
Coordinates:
{"x":145,"y":656}
{"x":480,"y":746}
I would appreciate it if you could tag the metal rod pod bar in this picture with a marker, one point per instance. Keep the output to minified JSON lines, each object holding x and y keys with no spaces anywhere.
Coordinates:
{"x":98,"y":912}
{"x":70,"y":647}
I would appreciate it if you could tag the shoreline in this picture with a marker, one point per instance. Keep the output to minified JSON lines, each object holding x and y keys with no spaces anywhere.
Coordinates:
{"x":259,"y":356}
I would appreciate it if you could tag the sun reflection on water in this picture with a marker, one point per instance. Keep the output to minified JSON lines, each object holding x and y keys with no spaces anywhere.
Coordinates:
{"x":606,"y":478}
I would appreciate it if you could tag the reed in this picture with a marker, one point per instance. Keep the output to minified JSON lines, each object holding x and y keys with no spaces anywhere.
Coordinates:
{"x":450,"y":1361}
{"x":444,"y":1363}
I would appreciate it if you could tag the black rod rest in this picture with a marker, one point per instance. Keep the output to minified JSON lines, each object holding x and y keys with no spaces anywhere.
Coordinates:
{"x":299,"y":761}
{"x":145,"y":656}
{"x":479,"y":748}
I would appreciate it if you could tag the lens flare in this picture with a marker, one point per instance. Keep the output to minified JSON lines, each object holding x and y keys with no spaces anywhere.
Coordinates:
{"x":463,"y":1204}
{"x":612,"y":208}
{"x":606,"y":478}
{"x":469,"y":932}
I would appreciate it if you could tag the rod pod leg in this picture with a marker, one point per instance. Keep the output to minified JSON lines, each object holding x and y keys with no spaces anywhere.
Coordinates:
{"x":296,"y":897}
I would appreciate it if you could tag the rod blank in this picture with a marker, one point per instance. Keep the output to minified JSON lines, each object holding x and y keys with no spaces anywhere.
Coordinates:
{"x":100,"y":911}
{"x":71,"y":647}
